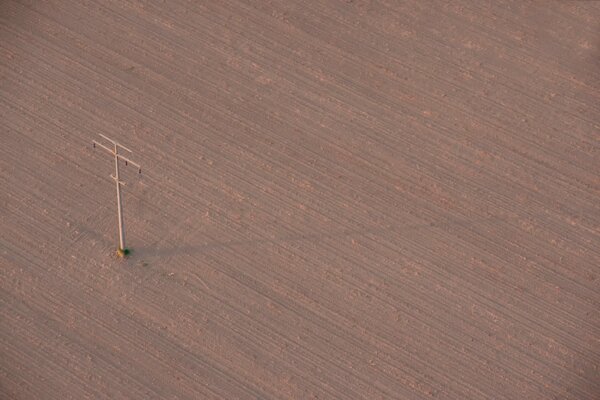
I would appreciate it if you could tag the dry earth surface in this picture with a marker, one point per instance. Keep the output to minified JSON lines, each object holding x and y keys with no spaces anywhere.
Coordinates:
{"x":339,"y":200}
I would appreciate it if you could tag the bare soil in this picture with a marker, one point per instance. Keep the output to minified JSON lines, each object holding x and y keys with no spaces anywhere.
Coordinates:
{"x":338,"y":200}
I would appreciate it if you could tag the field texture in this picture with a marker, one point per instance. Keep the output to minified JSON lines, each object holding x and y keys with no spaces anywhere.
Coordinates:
{"x":338,"y":200}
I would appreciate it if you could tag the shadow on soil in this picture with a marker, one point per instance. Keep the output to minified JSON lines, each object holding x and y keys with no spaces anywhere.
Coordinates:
{"x":312,"y":238}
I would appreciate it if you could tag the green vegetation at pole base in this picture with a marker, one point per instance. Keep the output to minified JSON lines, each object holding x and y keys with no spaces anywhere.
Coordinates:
{"x":123,"y":252}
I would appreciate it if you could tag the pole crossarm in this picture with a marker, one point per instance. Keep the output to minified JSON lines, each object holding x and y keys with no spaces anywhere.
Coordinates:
{"x":118,"y":180}
{"x":104,"y":147}
{"x":116,"y":143}
{"x":127,"y":160}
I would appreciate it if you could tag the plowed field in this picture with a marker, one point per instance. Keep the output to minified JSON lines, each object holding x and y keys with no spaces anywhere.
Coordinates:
{"x":338,"y":199}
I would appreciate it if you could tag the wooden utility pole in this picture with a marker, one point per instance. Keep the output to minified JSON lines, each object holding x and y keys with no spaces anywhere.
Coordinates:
{"x":122,"y":251}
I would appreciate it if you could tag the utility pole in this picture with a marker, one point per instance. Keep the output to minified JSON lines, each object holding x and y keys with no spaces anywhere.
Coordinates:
{"x":122,"y":251}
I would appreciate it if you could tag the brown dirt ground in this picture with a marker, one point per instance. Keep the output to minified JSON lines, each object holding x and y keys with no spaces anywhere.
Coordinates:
{"x":339,"y":200}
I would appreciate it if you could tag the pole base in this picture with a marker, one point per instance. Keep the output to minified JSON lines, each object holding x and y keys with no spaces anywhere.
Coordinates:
{"x":123,"y":252}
